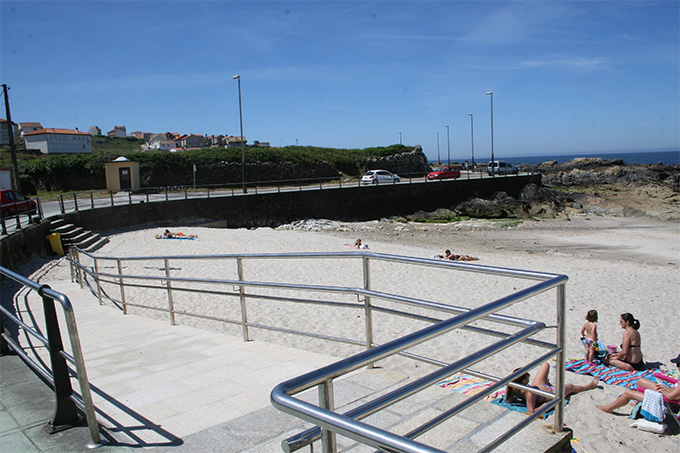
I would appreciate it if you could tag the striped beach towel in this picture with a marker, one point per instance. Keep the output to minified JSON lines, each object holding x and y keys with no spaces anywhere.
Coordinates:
{"x":470,"y":385}
{"x":609,"y":374}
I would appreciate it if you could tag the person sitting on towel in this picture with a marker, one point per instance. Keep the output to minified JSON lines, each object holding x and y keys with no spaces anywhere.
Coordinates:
{"x":672,"y":394}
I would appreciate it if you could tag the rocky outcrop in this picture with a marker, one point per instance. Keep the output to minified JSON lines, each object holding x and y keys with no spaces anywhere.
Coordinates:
{"x":587,"y":172}
{"x":412,"y":164}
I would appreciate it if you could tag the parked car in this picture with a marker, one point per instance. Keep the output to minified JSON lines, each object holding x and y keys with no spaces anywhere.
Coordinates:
{"x":444,"y":173}
{"x":13,"y":202}
{"x":379,"y":177}
{"x":501,"y":167}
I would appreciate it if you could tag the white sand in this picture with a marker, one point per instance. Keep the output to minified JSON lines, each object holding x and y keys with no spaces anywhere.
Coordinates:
{"x":614,"y":265}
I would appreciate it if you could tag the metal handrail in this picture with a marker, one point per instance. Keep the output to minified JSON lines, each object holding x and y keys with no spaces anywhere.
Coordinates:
{"x":328,"y":422}
{"x":80,"y":200}
{"x":65,"y":414}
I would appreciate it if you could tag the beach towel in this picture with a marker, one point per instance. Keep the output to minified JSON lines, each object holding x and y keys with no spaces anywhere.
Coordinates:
{"x":470,"y":385}
{"x":521,"y":407}
{"x":186,"y":238}
{"x":609,"y":374}
{"x":653,"y":408}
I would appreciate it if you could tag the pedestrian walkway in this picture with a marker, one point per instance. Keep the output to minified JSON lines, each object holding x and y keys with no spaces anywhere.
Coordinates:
{"x":181,"y":389}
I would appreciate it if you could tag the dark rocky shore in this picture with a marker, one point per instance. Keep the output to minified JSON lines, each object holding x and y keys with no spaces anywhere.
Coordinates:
{"x":584,"y":185}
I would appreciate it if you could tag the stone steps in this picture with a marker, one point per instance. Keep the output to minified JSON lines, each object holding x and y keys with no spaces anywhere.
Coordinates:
{"x":75,"y":236}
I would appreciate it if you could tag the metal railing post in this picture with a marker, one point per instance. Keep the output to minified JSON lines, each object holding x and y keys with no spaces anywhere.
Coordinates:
{"x":99,"y":285}
{"x":242,"y":297}
{"x":75,"y":201}
{"x":91,"y":200}
{"x":61,"y":204}
{"x":129,"y":197}
{"x":166,"y":193}
{"x":326,"y":401}
{"x":79,"y":269}
{"x":65,"y":414}
{"x":171,"y":303}
{"x":561,"y":340}
{"x":368,"y":312}
{"x":121,"y":284}
{"x":111,"y":197}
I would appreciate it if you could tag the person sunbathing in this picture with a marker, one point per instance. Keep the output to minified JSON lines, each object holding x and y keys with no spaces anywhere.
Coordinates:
{"x":540,"y":382}
{"x":170,"y":235}
{"x":671,"y":394}
{"x":455,"y":257}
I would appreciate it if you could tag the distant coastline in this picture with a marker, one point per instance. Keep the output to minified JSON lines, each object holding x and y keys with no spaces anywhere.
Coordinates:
{"x":629,"y":157}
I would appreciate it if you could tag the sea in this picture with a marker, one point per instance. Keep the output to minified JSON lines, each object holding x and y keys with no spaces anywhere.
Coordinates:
{"x":630,"y":157}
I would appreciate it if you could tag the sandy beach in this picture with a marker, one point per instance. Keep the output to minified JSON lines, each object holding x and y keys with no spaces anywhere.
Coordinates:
{"x":614,"y":264}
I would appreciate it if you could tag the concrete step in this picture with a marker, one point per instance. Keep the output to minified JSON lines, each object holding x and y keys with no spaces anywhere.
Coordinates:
{"x":101,"y":242}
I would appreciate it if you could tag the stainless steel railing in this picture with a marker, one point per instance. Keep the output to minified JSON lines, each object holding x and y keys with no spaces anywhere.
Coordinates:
{"x":58,"y":373}
{"x":87,"y":270}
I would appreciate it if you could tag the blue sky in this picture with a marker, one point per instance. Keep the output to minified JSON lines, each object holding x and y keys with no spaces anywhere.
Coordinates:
{"x":567,"y":77}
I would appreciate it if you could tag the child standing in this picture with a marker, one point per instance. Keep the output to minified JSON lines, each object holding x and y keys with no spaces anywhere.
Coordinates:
{"x":589,"y":335}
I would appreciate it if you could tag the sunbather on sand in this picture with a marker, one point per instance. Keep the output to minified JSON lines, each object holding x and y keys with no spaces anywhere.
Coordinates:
{"x":170,"y":235}
{"x":455,"y":257}
{"x":541,"y":382}
{"x":672,"y":394}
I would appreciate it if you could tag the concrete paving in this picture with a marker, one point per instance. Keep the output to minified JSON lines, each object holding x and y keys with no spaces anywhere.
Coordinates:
{"x":178,"y":388}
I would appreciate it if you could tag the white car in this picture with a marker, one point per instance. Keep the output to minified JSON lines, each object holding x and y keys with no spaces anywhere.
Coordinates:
{"x":501,"y":167}
{"x":380,"y":177}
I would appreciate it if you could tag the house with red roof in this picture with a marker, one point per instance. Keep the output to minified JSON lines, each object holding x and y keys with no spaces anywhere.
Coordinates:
{"x":59,"y":141}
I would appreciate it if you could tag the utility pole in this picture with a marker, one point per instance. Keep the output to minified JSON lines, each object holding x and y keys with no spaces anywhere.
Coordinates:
{"x":12,"y":145}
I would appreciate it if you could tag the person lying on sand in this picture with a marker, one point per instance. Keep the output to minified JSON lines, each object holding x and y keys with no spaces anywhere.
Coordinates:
{"x":541,"y":382}
{"x":170,"y":235}
{"x":455,"y":257}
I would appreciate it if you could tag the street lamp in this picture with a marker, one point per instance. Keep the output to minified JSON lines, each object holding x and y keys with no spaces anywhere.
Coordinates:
{"x":448,"y":144}
{"x":400,"y":138}
{"x":493,"y":162}
{"x":472,"y":141}
{"x":439,"y":160}
{"x":243,"y":144}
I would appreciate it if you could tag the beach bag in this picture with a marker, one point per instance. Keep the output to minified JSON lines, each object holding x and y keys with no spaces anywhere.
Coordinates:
{"x":653,"y":408}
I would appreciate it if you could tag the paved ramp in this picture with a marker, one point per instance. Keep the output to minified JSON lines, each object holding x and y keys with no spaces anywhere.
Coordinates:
{"x":178,"y":388}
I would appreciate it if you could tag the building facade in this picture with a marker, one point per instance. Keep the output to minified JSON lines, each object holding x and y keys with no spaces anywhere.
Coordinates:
{"x":4,"y":132}
{"x":59,"y":141}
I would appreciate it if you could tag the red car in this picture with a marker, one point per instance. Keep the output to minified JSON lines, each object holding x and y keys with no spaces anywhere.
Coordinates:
{"x":13,"y":202}
{"x":444,"y":173}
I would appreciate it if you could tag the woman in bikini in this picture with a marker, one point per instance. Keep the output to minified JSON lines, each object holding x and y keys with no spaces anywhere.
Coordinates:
{"x":541,"y":382}
{"x":630,"y":357}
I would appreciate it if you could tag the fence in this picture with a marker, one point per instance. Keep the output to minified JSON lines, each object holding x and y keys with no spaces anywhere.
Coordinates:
{"x":117,"y":286}
{"x":58,"y":371}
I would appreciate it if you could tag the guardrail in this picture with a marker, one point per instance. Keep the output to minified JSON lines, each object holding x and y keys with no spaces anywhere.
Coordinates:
{"x":443,"y":318}
{"x":67,"y":400}
{"x":76,"y":201}
{"x":30,"y":217}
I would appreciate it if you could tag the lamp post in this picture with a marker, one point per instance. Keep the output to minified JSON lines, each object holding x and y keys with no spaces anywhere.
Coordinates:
{"x":439,"y":160}
{"x":400,"y":138}
{"x":243,"y":144}
{"x":472,"y":141}
{"x":493,"y":162}
{"x":448,"y":145}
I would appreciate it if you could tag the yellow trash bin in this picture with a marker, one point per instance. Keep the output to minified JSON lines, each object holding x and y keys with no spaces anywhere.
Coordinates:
{"x":55,"y":243}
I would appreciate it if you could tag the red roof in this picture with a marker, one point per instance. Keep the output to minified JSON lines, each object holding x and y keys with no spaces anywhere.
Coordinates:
{"x":52,"y":130}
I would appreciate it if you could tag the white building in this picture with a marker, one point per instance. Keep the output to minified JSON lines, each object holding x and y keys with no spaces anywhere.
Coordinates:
{"x":59,"y":141}
{"x":25,"y":128}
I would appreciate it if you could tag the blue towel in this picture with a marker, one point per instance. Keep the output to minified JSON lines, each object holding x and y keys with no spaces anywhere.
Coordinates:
{"x":520,"y":407}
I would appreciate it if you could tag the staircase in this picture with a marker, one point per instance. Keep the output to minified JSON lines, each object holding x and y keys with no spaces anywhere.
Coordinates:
{"x":74,"y":236}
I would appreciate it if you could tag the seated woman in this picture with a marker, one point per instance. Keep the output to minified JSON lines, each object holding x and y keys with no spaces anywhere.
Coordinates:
{"x":630,"y":357}
{"x":541,"y":382}
{"x":671,"y":394}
